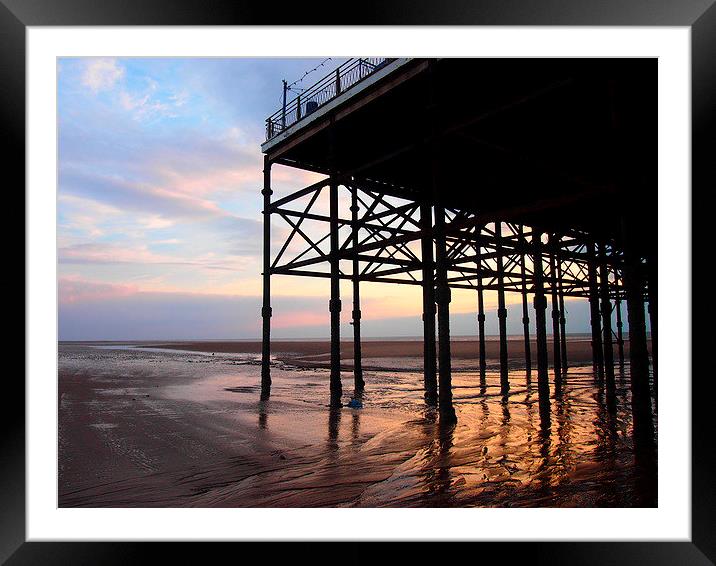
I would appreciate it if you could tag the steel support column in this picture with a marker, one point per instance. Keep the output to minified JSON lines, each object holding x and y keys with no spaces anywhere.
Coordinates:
{"x":480,"y":305}
{"x":554,"y":291}
{"x":652,"y":288}
{"x":442,"y":291}
{"x":525,"y":311}
{"x":606,"y":310}
{"x":429,"y":351}
{"x":540,"y":305}
{"x":266,"y":305}
{"x":620,"y":331}
{"x":638,"y":353}
{"x":335,"y":302}
{"x":501,"y":310}
{"x":597,"y":352}
{"x":447,"y":412}
{"x":359,"y":383}
{"x":562,"y":315}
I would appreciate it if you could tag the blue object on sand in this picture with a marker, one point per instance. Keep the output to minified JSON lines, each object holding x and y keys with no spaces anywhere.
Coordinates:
{"x":355,"y":404}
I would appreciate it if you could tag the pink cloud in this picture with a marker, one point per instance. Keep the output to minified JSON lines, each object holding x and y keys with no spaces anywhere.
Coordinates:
{"x":107,"y":253}
{"x":73,"y":290}
{"x":204,"y":183}
{"x":139,"y":254}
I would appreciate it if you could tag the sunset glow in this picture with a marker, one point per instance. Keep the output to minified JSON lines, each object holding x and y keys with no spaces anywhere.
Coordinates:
{"x":159,"y":203}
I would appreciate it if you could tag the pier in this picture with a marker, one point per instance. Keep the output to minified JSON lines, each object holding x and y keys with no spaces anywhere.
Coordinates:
{"x":528,"y":176}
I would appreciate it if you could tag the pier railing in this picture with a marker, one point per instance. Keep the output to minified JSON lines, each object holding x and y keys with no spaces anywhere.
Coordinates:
{"x":329,"y":87}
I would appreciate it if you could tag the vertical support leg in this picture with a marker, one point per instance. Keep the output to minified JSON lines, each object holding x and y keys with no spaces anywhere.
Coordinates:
{"x":359,"y":383}
{"x":430,"y":370}
{"x":653,"y":314}
{"x":480,"y":305}
{"x":562,"y":316}
{"x":554,"y":291}
{"x":607,"y":330}
{"x":540,"y":305}
{"x":638,"y":353}
{"x":597,"y":352}
{"x":637,"y":339}
{"x":620,"y":331}
{"x":266,"y":306}
{"x":447,"y":412}
{"x":335,"y":302}
{"x":501,"y":310}
{"x":525,"y":311}
{"x":606,"y":309}
{"x":563,"y":334}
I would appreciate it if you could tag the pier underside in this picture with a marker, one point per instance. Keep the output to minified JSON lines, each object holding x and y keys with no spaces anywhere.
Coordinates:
{"x":528,"y":176}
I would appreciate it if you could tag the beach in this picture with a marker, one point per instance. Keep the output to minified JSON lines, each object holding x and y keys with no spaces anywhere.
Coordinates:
{"x":181,"y":424}
{"x":316,"y":353}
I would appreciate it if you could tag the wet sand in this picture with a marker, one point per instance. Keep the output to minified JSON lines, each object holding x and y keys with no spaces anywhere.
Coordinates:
{"x":151,"y":427}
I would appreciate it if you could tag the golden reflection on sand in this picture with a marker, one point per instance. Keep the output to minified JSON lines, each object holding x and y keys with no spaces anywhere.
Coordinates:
{"x":189,"y":430}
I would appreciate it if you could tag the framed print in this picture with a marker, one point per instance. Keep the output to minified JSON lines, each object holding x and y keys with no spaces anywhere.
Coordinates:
{"x":297,"y":279}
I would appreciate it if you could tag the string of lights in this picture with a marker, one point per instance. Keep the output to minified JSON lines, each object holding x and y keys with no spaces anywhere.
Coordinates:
{"x":297,"y":81}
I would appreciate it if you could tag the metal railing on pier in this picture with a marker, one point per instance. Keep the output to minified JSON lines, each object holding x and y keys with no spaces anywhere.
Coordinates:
{"x":329,"y":87}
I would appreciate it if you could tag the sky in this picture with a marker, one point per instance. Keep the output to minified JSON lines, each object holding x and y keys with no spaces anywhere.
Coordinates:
{"x":159,"y":209}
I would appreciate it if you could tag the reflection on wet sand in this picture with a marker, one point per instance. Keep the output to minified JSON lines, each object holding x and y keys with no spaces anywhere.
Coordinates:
{"x":263,"y":414}
{"x":334,"y":421}
{"x":581,"y":447}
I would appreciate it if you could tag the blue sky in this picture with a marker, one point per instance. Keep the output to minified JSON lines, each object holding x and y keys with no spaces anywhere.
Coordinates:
{"x":159,"y":208}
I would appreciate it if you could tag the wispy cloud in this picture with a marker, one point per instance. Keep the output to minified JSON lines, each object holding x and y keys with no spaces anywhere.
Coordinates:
{"x":104,"y":253}
{"x":126,"y":194}
{"x":102,"y":74}
{"x":150,"y":102}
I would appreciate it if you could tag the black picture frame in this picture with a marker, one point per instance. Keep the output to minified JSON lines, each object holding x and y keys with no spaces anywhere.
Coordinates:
{"x":699,"y":15}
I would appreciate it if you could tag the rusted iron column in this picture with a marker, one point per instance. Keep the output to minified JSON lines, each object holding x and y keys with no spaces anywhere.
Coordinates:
{"x":554,"y":291}
{"x":480,"y":305}
{"x":501,"y":310}
{"x":606,"y":309}
{"x":597,"y":352}
{"x":359,"y":383}
{"x":540,"y":305}
{"x":447,"y":412}
{"x":334,"y":305}
{"x":430,"y":370}
{"x":620,"y":331}
{"x":266,"y":306}
{"x":525,"y":311}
